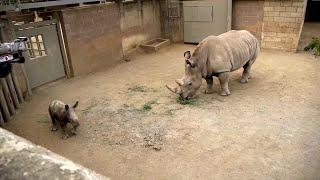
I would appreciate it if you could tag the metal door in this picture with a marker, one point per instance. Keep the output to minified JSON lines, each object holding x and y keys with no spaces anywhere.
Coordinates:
{"x":44,"y":63}
{"x":204,"y":18}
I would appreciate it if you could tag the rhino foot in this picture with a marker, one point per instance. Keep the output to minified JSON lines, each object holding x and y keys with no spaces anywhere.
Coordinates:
{"x":66,"y":136}
{"x":208,"y":91}
{"x":244,"y":80}
{"x":225,"y":93}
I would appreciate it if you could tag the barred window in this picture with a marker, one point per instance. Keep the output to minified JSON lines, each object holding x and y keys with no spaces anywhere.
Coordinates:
{"x":36,"y":46}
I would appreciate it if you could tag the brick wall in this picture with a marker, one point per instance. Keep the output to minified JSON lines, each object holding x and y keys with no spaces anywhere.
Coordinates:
{"x":92,"y":36}
{"x":282,"y":23}
{"x":248,"y":15}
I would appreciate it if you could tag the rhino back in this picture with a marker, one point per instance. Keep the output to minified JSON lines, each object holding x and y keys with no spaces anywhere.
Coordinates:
{"x":231,"y":50}
{"x":57,"y":108}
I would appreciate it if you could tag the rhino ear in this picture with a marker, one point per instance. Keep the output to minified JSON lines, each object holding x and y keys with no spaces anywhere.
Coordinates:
{"x":66,"y":107}
{"x":190,"y":63}
{"x":187,"y":54}
{"x":75,"y":105}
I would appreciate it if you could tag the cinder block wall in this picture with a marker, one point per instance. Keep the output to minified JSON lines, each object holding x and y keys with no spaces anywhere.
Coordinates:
{"x":92,"y":36}
{"x":282,"y":24}
{"x":277,"y":24}
{"x":248,"y":15}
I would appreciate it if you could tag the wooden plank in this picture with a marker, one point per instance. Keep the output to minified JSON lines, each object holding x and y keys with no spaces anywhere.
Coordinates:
{"x":4,"y":106}
{"x":7,"y":95}
{"x":12,"y":91}
{"x":17,"y":85}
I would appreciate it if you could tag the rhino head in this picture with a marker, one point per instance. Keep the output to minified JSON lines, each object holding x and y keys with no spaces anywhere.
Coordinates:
{"x":191,"y":82}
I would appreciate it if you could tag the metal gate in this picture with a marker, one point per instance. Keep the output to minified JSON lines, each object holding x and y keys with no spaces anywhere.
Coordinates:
{"x":204,"y":18}
{"x":44,"y":63}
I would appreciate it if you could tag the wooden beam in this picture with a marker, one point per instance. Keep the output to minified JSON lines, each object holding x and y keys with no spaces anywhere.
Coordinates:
{"x":13,"y":91}
{"x":7,"y":96}
{"x":17,"y":84}
{"x":4,"y":106}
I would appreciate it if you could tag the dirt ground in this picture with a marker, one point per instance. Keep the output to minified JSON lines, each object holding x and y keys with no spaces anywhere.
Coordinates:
{"x":132,"y":127}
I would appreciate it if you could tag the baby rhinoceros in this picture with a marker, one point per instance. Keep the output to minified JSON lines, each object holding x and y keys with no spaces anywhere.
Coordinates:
{"x":62,"y":113}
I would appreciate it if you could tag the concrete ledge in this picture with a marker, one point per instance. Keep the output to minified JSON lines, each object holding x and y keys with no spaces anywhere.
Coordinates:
{"x":20,"y":159}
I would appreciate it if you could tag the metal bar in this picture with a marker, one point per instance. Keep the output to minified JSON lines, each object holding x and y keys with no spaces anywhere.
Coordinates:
{"x":20,"y":6}
{"x":38,"y":45}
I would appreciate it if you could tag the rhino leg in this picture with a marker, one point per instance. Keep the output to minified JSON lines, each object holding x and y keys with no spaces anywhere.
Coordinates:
{"x":224,"y":83}
{"x":64,"y":129}
{"x":54,"y":121}
{"x":246,"y":71}
{"x":209,"y":89}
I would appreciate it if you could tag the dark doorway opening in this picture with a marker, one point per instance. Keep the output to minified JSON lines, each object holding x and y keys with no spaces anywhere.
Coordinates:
{"x":311,"y":26}
{"x":313,"y":11}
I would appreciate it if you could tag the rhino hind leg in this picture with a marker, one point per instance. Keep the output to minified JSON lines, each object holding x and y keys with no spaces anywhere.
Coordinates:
{"x":209,"y":89}
{"x":224,"y":83}
{"x":246,"y":71}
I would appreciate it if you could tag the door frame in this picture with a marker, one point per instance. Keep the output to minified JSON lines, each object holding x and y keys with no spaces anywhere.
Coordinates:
{"x":57,"y":24}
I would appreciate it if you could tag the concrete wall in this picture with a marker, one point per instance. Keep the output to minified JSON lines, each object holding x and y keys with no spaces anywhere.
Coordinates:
{"x":139,"y":23}
{"x":20,"y":159}
{"x":92,"y":36}
{"x":248,"y":15}
{"x":172,"y":28}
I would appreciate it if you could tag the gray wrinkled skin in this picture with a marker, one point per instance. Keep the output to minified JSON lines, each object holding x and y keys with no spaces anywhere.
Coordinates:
{"x":217,"y":56}
{"x":62,"y":114}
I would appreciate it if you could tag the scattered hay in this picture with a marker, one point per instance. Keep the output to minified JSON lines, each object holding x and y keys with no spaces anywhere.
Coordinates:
{"x":138,"y":88}
{"x":182,"y":101}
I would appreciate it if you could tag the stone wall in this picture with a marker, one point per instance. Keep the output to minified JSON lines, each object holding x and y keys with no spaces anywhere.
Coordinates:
{"x":282,"y":24}
{"x":92,"y":37}
{"x":248,"y":15}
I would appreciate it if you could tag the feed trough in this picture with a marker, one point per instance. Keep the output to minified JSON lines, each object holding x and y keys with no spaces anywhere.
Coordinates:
{"x":155,"y":44}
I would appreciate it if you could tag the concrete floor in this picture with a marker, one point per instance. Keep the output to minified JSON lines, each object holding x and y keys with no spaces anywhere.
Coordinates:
{"x":267,"y":129}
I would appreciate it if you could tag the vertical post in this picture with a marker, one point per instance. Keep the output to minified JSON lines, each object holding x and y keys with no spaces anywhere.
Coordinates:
{"x":17,"y":84}
{"x":7,"y":95}
{"x":26,"y":79}
{"x":12,"y":91}
{"x":229,"y":20}
{"x":4,"y":106}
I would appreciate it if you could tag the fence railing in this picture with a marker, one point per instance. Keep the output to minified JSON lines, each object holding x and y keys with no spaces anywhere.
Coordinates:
{"x":16,"y":5}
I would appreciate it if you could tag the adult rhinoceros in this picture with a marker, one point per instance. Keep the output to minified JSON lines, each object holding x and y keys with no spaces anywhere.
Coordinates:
{"x":217,"y":56}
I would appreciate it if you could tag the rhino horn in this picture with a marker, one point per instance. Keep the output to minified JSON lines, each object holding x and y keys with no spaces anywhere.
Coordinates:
{"x":179,"y":82}
{"x":174,"y":90}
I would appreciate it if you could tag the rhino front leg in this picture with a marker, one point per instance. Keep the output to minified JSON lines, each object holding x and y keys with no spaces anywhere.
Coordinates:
{"x":209,"y":89}
{"x":224,"y":83}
